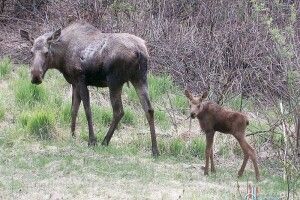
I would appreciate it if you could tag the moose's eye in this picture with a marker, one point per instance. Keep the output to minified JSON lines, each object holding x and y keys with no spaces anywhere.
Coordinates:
{"x":198,"y":106}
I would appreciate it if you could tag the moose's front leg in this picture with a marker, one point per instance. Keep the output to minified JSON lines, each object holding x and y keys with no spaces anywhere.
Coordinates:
{"x":75,"y":106}
{"x":85,"y":97}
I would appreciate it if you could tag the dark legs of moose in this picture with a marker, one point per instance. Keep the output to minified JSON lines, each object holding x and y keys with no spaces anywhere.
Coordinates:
{"x":142,"y":91}
{"x":208,"y":152}
{"x":248,"y":152}
{"x":75,"y":106}
{"x":85,"y":97}
{"x":118,"y":112}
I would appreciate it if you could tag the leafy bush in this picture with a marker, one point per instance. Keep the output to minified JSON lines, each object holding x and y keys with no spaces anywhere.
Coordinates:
{"x":162,"y":119}
{"x":40,"y":123}
{"x":5,"y":66}
{"x":159,"y":85}
{"x":27,"y":93}
{"x":2,"y":112}
{"x":129,"y":117}
{"x":177,"y":147}
{"x":197,"y":147}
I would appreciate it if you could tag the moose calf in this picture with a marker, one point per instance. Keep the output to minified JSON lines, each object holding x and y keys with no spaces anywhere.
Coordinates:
{"x":212,"y":118}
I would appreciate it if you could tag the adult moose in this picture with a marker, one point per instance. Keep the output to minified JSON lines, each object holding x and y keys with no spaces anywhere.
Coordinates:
{"x":87,"y":57}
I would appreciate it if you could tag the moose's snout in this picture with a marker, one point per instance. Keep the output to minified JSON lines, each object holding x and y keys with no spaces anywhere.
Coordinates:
{"x":193,"y":115}
{"x":36,"y":80}
{"x":36,"y":77}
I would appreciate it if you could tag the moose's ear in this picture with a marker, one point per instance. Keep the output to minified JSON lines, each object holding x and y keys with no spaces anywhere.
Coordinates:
{"x":188,"y":94}
{"x":55,"y":35}
{"x":24,"y":34}
{"x":204,"y":95}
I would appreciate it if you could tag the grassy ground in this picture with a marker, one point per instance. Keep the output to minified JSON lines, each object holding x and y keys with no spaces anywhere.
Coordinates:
{"x":40,"y":160}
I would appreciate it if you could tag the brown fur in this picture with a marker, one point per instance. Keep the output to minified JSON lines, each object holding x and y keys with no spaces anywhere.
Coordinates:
{"x":212,"y":118}
{"x":85,"y":56}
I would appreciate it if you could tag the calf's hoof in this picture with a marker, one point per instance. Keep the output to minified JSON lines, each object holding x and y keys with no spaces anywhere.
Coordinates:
{"x":213,"y":170}
{"x":92,"y":142}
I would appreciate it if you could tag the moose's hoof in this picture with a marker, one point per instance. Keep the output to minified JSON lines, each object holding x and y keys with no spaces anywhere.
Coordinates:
{"x":155,"y":153}
{"x":213,"y":170}
{"x":92,"y":142}
{"x":104,"y":143}
{"x":240,"y":173}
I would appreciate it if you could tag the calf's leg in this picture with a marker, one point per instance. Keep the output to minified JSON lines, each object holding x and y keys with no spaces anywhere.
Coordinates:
{"x":208,"y":150}
{"x":118,"y":112}
{"x":248,"y":152}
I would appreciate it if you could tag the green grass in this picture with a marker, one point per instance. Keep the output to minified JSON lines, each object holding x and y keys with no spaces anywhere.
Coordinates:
{"x":177,"y":147}
{"x":101,"y":115}
{"x":197,"y":148}
{"x":130,"y":117}
{"x":2,"y":112}
{"x":40,"y":123}
{"x":159,"y":85}
{"x":27,"y":93}
{"x":180,"y":102}
{"x":162,"y":119}
{"x":32,"y":158}
{"x":5,"y":66}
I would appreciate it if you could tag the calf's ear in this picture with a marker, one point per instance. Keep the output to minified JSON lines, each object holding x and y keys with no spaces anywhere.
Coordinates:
{"x":24,"y":34}
{"x":188,"y":94}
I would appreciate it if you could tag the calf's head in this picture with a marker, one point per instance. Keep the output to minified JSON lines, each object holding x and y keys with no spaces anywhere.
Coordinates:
{"x":42,"y":53}
{"x":195,"y":102}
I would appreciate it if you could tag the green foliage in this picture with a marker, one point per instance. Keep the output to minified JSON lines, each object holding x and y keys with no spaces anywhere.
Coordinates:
{"x":66,"y":112}
{"x":129,"y":117}
{"x":180,"y":102}
{"x":2,"y":112}
{"x":102,"y":115}
{"x":40,"y":123}
{"x":162,"y":119}
{"x":5,"y":66}
{"x":131,"y":94}
{"x":177,"y":147}
{"x":27,"y":93}
{"x":197,"y":147}
{"x":159,"y":85}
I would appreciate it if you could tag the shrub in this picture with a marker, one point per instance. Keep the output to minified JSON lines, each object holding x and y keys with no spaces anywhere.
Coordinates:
{"x":129,"y":117}
{"x":39,"y":123}
{"x":177,"y":147}
{"x":162,"y":119}
{"x":66,"y":112}
{"x":181,"y":103}
{"x":27,"y":93}
{"x":102,"y":115}
{"x":2,"y":112}
{"x":197,"y":147}
{"x":5,"y":66}
{"x":159,"y":85}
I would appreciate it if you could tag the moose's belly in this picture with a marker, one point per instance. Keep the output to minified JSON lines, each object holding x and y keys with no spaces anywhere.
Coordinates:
{"x":96,"y":78}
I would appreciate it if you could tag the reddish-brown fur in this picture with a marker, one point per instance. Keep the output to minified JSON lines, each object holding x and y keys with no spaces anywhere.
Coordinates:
{"x":212,"y":117}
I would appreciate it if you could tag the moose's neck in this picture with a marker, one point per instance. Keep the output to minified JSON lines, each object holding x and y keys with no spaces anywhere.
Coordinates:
{"x":57,"y":55}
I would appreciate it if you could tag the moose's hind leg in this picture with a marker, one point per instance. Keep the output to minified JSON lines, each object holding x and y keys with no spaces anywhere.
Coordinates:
{"x":142,"y":91}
